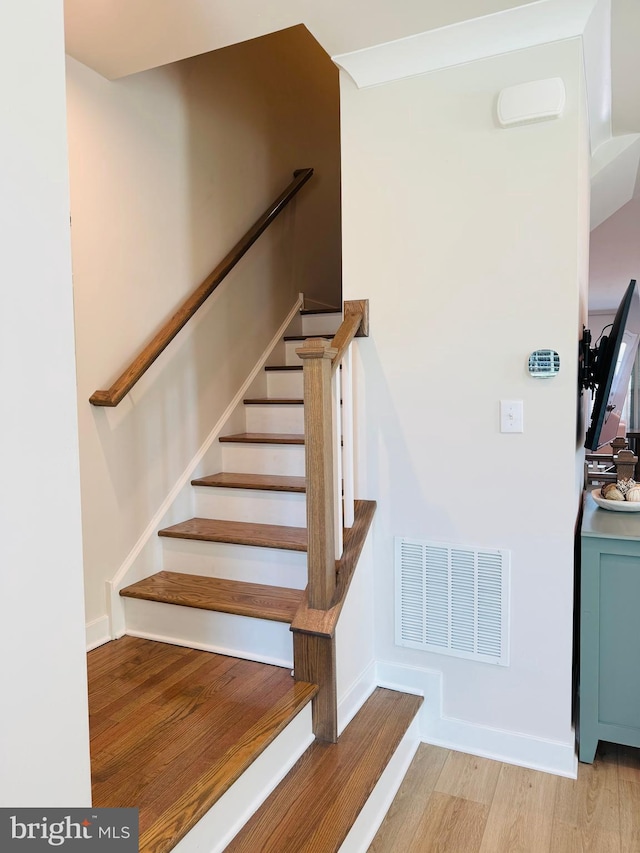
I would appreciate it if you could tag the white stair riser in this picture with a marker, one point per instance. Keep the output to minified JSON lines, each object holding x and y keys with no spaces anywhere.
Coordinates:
{"x":229,"y":814}
{"x":246,"y":563}
{"x":286,"y":459}
{"x":320,"y":324}
{"x":225,"y":633}
{"x":284,"y":383}
{"x":290,"y":347}
{"x":291,"y":355}
{"x":258,"y":507}
{"x":280,"y":418}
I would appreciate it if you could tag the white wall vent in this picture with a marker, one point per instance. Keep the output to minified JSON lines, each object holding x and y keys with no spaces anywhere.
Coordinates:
{"x":452,"y":600}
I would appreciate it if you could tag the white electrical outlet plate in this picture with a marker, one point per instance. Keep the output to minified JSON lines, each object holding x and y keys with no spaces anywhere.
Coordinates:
{"x":511,"y":416}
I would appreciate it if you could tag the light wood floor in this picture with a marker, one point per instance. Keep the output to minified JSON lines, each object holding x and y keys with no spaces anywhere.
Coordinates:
{"x":450,"y":802}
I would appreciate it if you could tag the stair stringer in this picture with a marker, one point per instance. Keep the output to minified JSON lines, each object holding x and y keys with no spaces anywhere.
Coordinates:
{"x":146,"y":555}
{"x":355,"y":641}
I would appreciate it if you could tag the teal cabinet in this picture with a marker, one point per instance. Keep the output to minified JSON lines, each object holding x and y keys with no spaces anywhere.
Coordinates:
{"x":609,"y":695}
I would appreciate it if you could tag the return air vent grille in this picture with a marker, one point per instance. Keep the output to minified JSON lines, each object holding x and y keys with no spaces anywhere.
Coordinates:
{"x":452,"y":600}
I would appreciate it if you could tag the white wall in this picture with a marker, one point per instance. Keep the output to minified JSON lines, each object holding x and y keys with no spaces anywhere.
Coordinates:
{"x":597,"y":322}
{"x":470,"y":242}
{"x":615,"y":257}
{"x":43,"y":712}
{"x":169,"y":168}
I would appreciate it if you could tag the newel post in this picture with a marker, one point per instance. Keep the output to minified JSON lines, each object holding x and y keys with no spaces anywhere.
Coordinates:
{"x":317,"y":355}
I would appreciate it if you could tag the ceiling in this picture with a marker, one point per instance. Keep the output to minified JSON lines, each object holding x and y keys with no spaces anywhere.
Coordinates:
{"x":119,"y":37}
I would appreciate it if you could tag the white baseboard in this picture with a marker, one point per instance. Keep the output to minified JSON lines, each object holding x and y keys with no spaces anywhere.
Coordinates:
{"x":97,"y":632}
{"x":116,"y":608}
{"x":227,"y":817}
{"x":374,"y":810}
{"x":510,"y":747}
{"x":356,"y":696}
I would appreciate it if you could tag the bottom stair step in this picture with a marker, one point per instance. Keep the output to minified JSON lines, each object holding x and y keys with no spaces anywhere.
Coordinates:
{"x":314,"y":807}
{"x":173,"y":729}
{"x":260,"y":601}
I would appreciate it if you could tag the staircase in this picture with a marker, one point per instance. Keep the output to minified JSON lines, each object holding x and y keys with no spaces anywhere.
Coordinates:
{"x":234,"y":580}
{"x":241,"y":561}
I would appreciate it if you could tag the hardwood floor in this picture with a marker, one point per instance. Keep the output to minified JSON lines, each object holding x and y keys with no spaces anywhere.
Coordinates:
{"x":172,"y":728}
{"x":450,"y":802}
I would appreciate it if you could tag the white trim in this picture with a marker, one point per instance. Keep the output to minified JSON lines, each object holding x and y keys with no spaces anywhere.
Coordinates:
{"x":337,"y":464}
{"x":116,"y":614}
{"x":511,"y":747}
{"x":518,"y":28}
{"x":524,"y":750}
{"x":614,"y":171}
{"x":209,"y":647}
{"x":115,"y":611}
{"x":97,"y":632}
{"x":227,"y":816}
{"x":373,"y":812}
{"x":467,"y":41}
{"x":355,"y":697}
{"x":348,"y":451}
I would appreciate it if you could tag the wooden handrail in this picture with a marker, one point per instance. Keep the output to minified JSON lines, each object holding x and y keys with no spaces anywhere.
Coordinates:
{"x":355,"y":324}
{"x":167,"y":333}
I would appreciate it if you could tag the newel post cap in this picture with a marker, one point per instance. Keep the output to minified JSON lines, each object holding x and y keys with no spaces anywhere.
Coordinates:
{"x":316,"y":348}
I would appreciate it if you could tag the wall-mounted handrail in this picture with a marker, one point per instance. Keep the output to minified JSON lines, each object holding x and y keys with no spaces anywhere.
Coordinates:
{"x":125,"y":382}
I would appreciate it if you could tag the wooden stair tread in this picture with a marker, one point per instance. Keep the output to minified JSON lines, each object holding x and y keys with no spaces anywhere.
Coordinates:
{"x":239,"y":533}
{"x":173,"y":728}
{"x":264,"y":438}
{"x":283,"y":366}
{"x":262,"y":482}
{"x":307,"y":311}
{"x":194,"y":803}
{"x":326,"y":335}
{"x":274,"y":401}
{"x":316,"y":804}
{"x":289,"y":366}
{"x":276,"y":603}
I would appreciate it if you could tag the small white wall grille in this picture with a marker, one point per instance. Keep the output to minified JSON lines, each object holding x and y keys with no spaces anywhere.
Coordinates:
{"x":452,"y":600}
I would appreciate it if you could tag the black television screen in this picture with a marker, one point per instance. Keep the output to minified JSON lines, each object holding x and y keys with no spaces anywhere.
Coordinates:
{"x":614,"y":358}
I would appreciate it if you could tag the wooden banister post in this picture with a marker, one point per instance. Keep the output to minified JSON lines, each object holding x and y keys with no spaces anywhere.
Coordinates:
{"x":317,"y":356}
